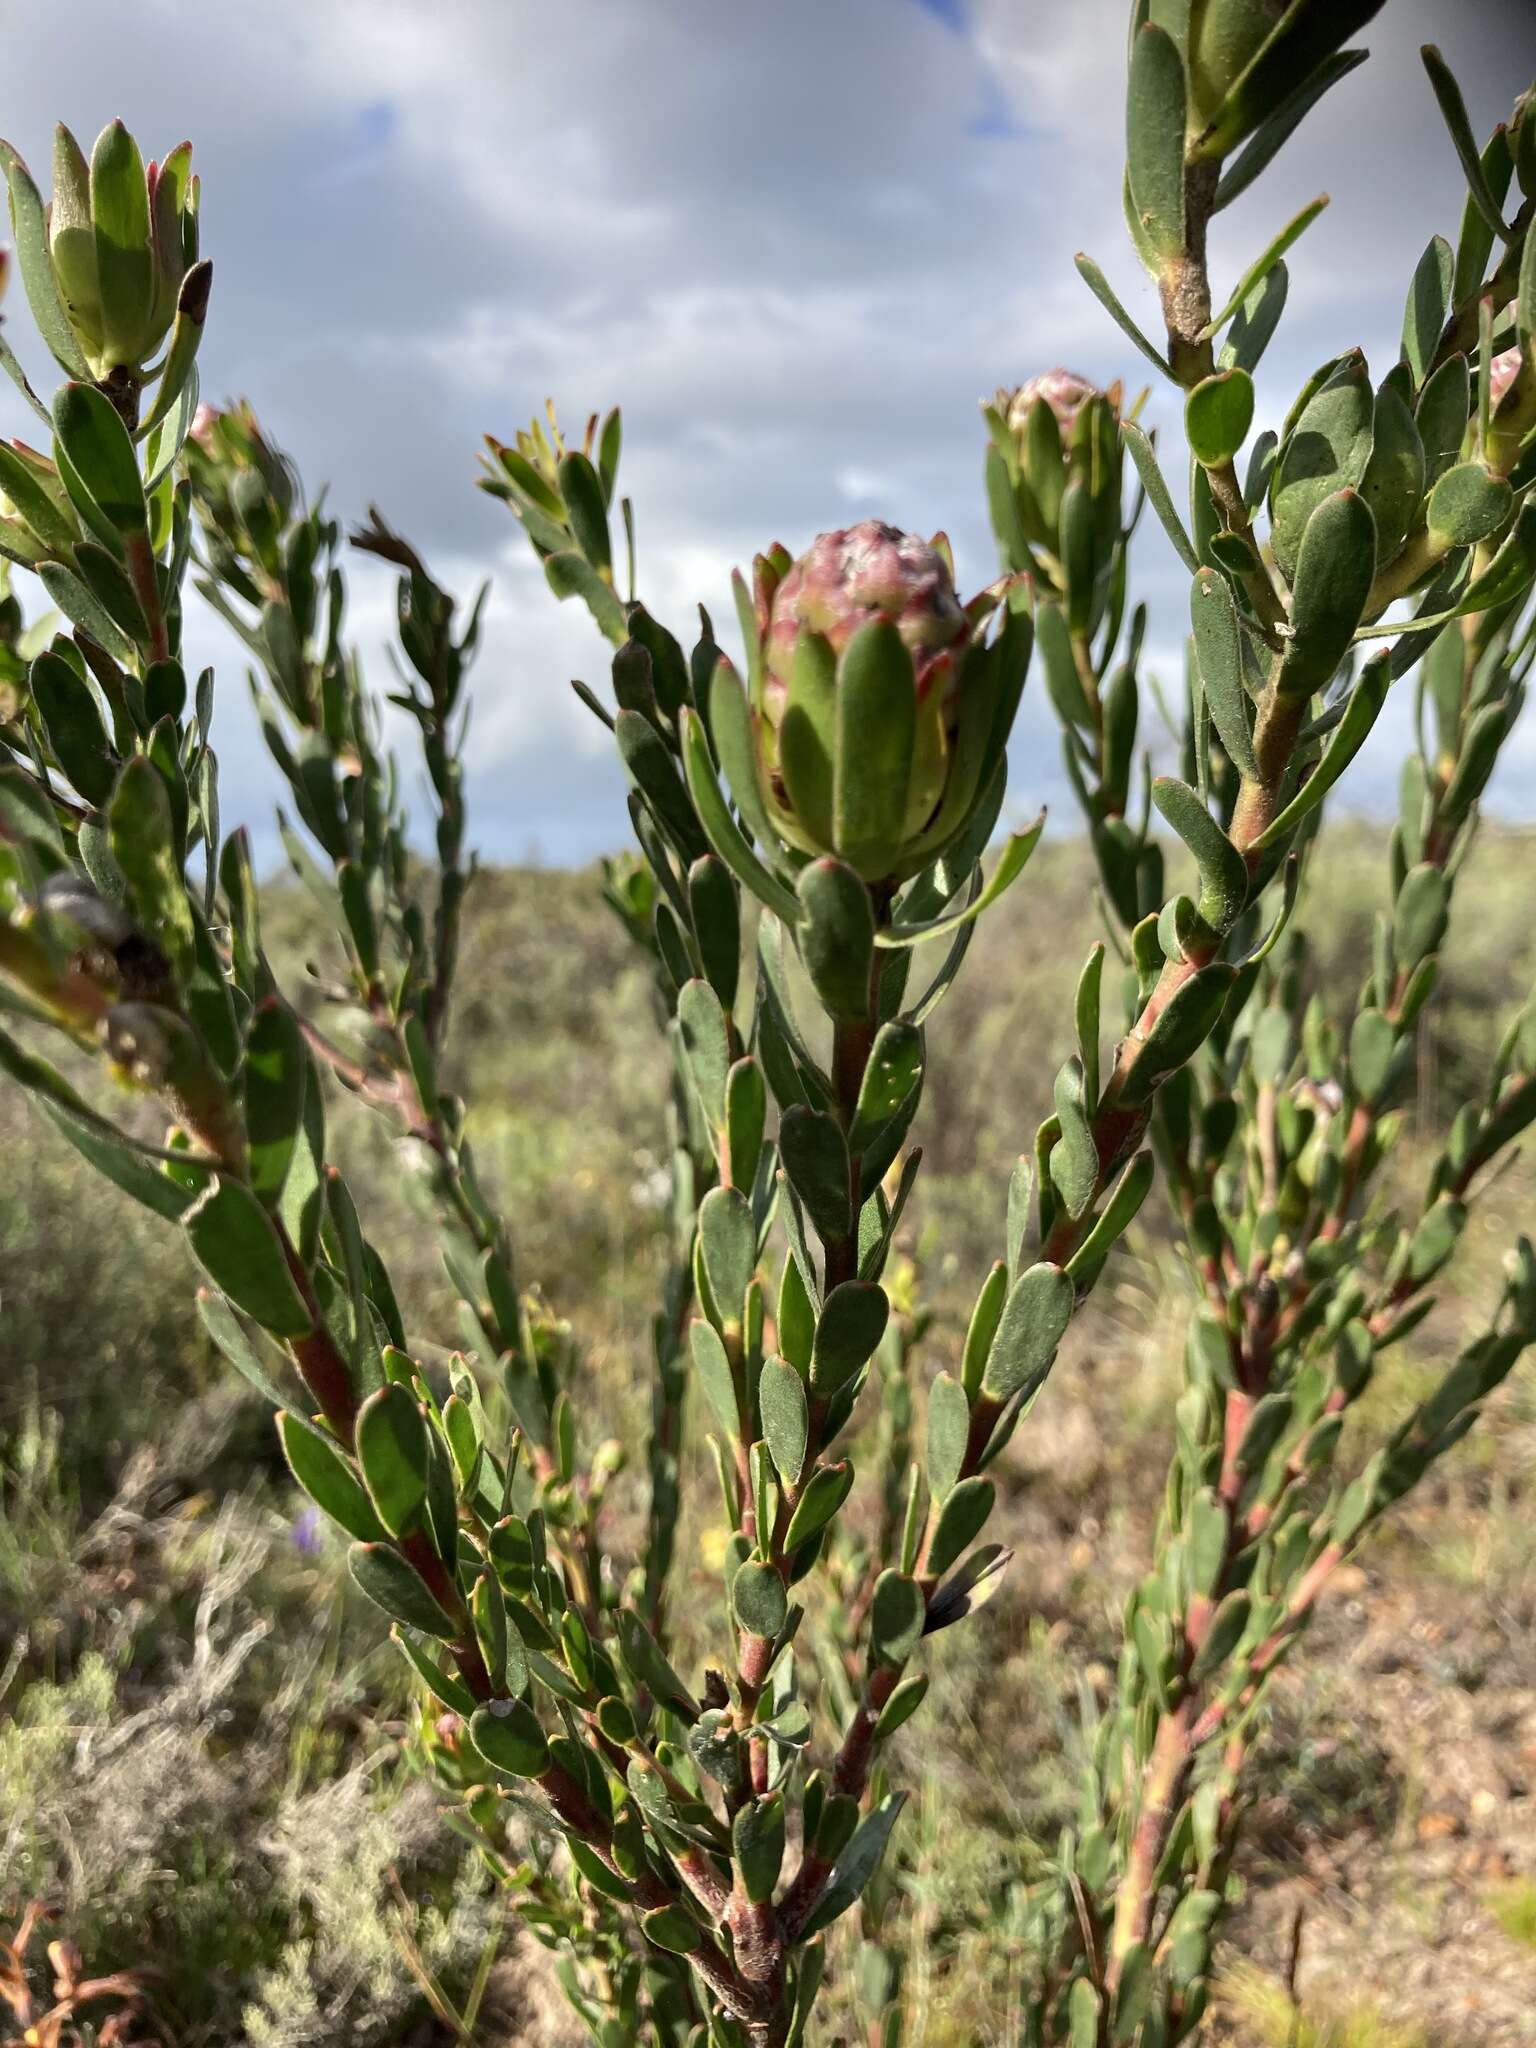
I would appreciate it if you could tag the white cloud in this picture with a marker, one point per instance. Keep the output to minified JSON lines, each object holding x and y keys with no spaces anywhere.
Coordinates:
{"x":1058,"y":64}
{"x":798,"y":243}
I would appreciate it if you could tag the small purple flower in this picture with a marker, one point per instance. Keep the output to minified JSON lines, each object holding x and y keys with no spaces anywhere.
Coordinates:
{"x":306,"y":1531}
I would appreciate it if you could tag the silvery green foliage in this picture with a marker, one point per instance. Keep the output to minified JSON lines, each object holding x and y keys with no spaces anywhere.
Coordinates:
{"x":1281,"y":1116}
{"x":811,"y":824}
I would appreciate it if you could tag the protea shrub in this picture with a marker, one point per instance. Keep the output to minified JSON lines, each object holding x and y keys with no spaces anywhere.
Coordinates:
{"x":688,"y":1830}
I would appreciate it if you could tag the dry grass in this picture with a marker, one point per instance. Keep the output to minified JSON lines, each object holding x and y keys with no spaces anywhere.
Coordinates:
{"x":205,"y":1758}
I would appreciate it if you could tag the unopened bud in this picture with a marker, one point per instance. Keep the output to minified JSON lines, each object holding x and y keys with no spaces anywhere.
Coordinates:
{"x":814,"y":617}
{"x":1064,"y":391}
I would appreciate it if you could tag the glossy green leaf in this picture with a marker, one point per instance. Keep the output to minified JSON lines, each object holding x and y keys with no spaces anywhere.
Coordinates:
{"x":1468,"y":504}
{"x":1264,"y":263}
{"x":836,"y":936}
{"x":178,"y":378}
{"x":902,"y":1705}
{"x":120,"y":210}
{"x":1373,"y":1043}
{"x":1219,"y":650}
{"x":982,"y":1328}
{"x":392,"y":1449}
{"x":848,"y":1330}
{"x":876,"y":736}
{"x":1420,"y":915}
{"x":391,"y":1583}
{"x":1083,"y":2009}
{"x":1485,"y":734}
{"x":1325,"y":452}
{"x":856,"y":1865}
{"x":1217,"y":416}
{"x":647,"y":1664}
{"x":716,"y":913}
{"x":141,"y":832}
{"x":1275,"y":65}
{"x":1253,"y":326}
{"x":1334,"y":572}
{"x":896,"y":1618}
{"x":892,"y":1071}
{"x":960,"y":1521}
{"x":652,"y":770}
{"x":1032,"y":1325}
{"x":1074,"y":1158}
{"x":587,"y":509}
{"x":824,"y":1492}
{"x":1223,"y":872}
{"x":228,"y":1333}
{"x":234,"y":1242}
{"x":448,"y":1692}
{"x":29,"y":223}
{"x":758,"y":1600}
{"x":705,"y":1040}
{"x":814,"y":1154}
{"x":73,"y":723}
{"x":1112,"y":1222}
{"x":757,"y":1845}
{"x":274,"y":1072}
{"x":786,"y":1417}
{"x":1010,"y":864}
{"x":318,"y":1465}
{"x":949,"y":1427}
{"x":507,"y":1734}
{"x":807,"y":735}
{"x":1429,"y":296}
{"x":1180,"y":1029}
{"x":1155,"y":484}
{"x":724,"y":834}
{"x":1099,"y":285}
{"x":82,"y":608}
{"x":570,"y":574}
{"x":92,"y":435}
{"x":53,"y":525}
{"x":672,"y":1928}
{"x":713,"y":1365}
{"x":1276,"y":131}
{"x":1061,"y":677}
{"x":1441,"y":415}
{"x":728,"y":1248}
{"x":1453,"y":107}
{"x":746,"y":1111}
{"x":796,"y":1318}
{"x":1155,"y":121}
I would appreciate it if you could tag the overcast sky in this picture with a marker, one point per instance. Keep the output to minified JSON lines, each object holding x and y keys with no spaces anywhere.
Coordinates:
{"x":797,"y":242}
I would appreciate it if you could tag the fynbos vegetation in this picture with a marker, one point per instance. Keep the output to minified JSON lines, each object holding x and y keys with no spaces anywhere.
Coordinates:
{"x":683,"y":1807}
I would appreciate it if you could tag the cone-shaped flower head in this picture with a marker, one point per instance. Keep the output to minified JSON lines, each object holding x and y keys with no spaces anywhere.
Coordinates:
{"x":1059,"y":435}
{"x":862,"y":573}
{"x":1063,"y":391}
{"x":876,"y":698}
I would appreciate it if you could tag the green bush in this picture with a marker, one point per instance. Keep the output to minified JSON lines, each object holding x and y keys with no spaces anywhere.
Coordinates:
{"x":662,"y":1703}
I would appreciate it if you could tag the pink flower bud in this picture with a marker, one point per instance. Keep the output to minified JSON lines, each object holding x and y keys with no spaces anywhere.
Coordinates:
{"x":1502,"y":372}
{"x":1064,"y":391}
{"x":846,"y":579}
